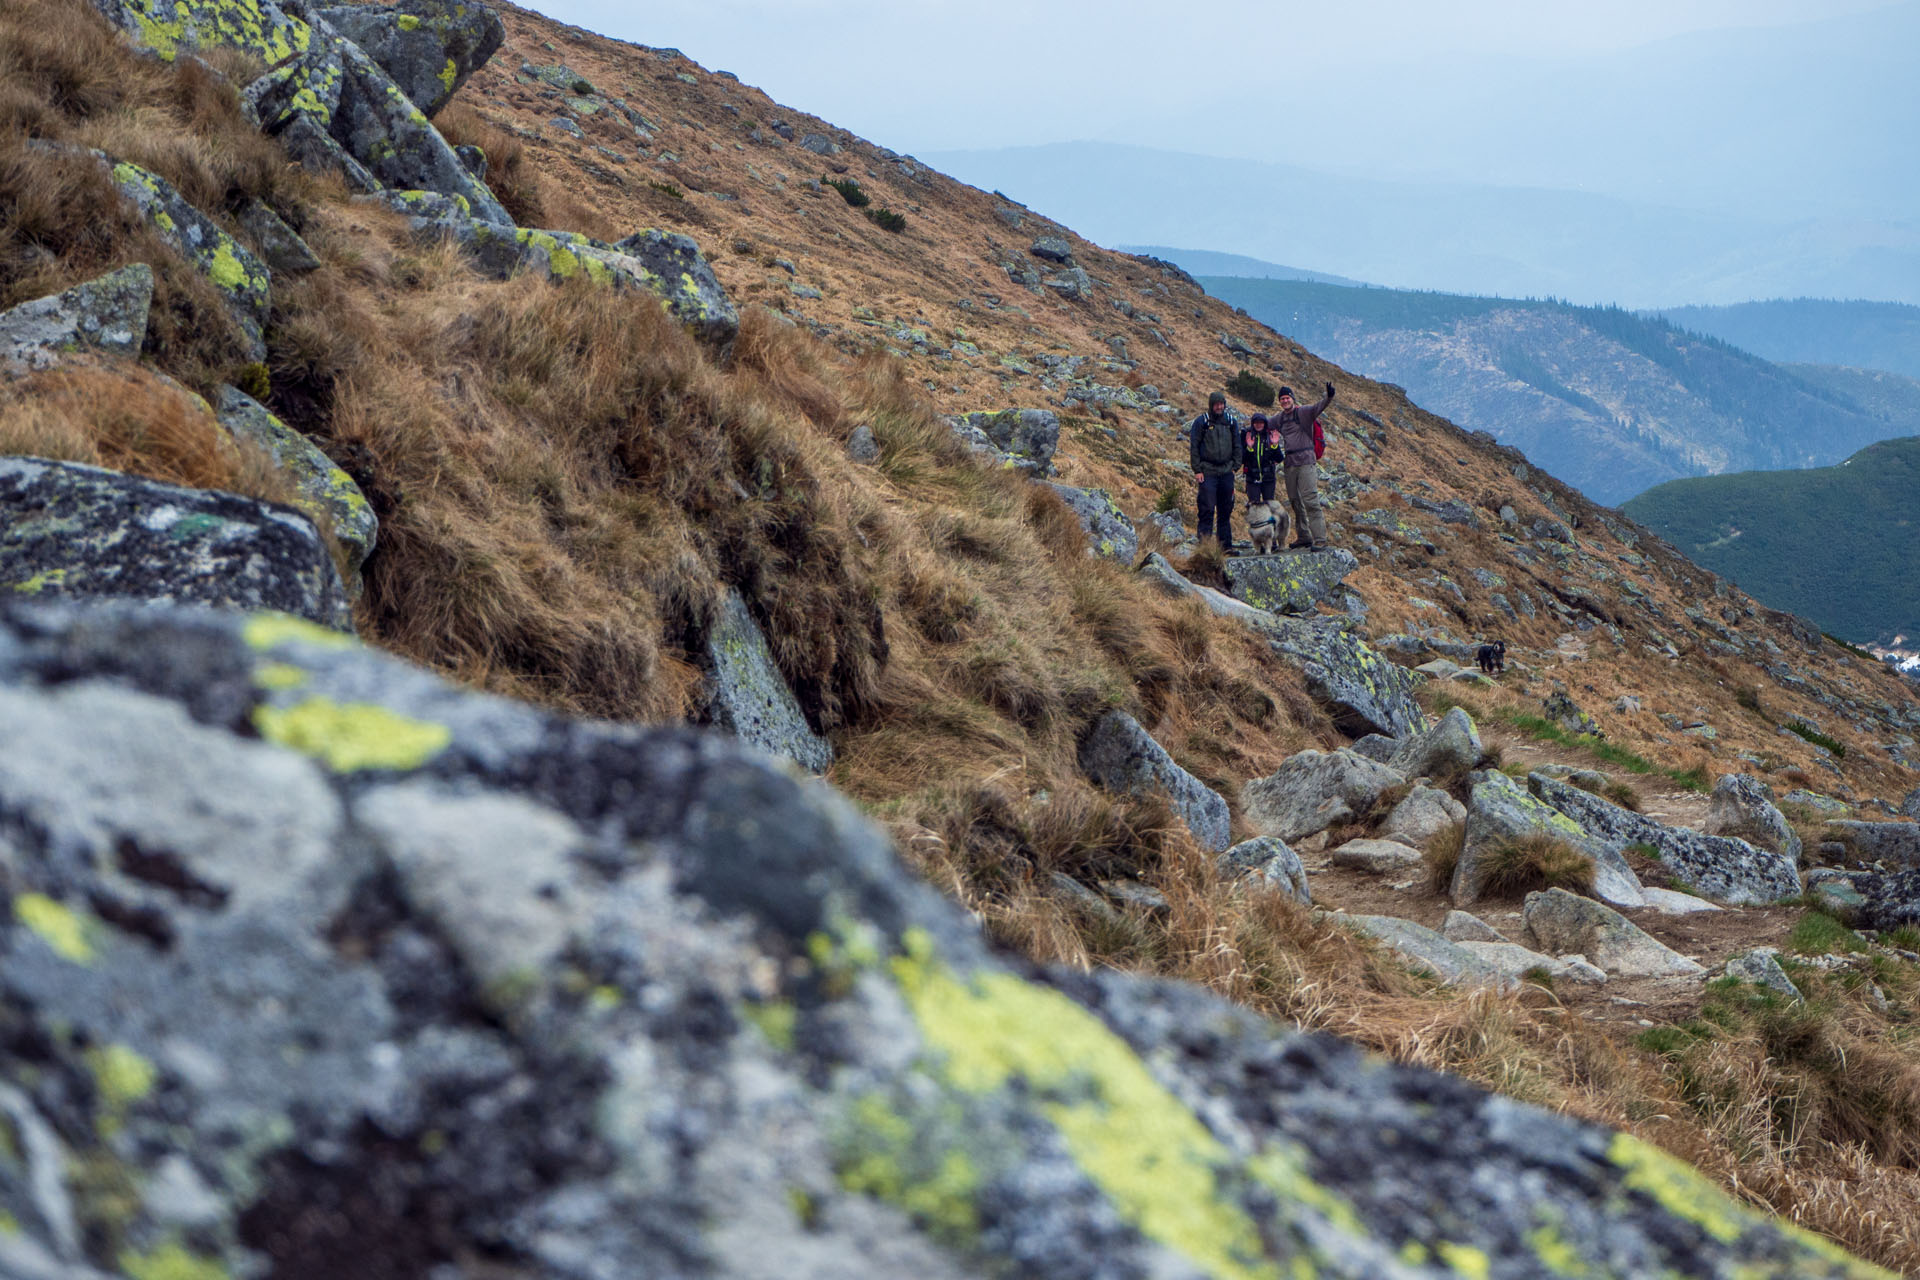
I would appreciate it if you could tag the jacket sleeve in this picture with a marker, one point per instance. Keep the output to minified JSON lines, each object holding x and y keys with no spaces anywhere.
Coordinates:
{"x":1193,"y":446}
{"x":1313,"y":411}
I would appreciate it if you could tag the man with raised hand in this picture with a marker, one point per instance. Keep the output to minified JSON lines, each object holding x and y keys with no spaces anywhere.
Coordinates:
{"x":1301,"y":446}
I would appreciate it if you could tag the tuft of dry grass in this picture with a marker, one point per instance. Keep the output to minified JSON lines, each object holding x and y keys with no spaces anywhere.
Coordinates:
{"x":1533,"y":861}
{"x":1442,"y":857}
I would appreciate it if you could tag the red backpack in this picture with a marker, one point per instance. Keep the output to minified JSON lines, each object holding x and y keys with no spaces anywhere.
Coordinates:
{"x":1319,"y":441}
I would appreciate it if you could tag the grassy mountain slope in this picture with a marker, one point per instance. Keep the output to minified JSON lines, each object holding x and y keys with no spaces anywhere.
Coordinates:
{"x":1609,"y":400}
{"x":1864,"y":335}
{"x":1840,"y":545}
{"x":566,"y":481}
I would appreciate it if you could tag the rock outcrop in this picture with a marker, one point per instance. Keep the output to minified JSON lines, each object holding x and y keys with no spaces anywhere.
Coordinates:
{"x":749,"y":697}
{"x":108,"y":314}
{"x":428,"y":47}
{"x":1376,"y":857}
{"x":1896,"y":844}
{"x":1450,"y":748}
{"x":1423,"y":949}
{"x":243,"y":280}
{"x":1109,"y":532}
{"x":1361,"y":690}
{"x":322,"y":489}
{"x":591,"y":1000}
{"x":1723,"y":869}
{"x":1124,"y":758}
{"x":1563,"y":922}
{"x":1271,"y":862}
{"x":1023,"y":439}
{"x":1313,"y":790}
{"x":1293,"y":582}
{"x":1742,"y":808}
{"x":71,"y":530}
{"x":1499,"y":813}
{"x":1422,"y":817}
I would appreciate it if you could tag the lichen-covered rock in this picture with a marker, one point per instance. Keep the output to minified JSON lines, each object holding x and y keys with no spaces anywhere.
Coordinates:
{"x":322,"y":489}
{"x":588,"y":1000}
{"x":1761,"y":967}
{"x":1562,"y":922}
{"x":314,"y":149}
{"x":1423,"y":816}
{"x":750,"y":698}
{"x":1499,"y":812}
{"x":1742,"y":808}
{"x":1896,"y":844}
{"x":242,"y":279}
{"x":1565,"y":712}
{"x":1718,"y":867}
{"x":1451,"y":962}
{"x":305,"y":87}
{"x":1123,"y":757}
{"x":1450,"y":748}
{"x":1109,"y":532}
{"x":432,"y":206}
{"x":1361,"y":690}
{"x":105,"y":314}
{"x":1293,"y":582}
{"x":1910,"y":807}
{"x":71,"y":530}
{"x":279,"y":244}
{"x":672,"y":270}
{"x":429,"y":47}
{"x":1311,"y":791}
{"x":169,"y":28}
{"x":1376,"y":746}
{"x":1023,"y":439}
{"x":1271,"y":862}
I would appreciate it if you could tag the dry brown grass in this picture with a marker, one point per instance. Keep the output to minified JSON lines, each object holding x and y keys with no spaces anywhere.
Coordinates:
{"x":1442,"y":857}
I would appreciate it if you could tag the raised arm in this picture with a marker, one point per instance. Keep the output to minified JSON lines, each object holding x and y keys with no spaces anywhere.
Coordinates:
{"x":1315,"y":410}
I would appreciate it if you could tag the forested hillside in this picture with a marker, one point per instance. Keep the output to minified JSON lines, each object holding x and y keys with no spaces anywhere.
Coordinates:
{"x":1864,"y":335}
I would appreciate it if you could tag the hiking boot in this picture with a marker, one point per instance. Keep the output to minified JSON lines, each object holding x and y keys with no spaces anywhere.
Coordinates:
{"x":1299,"y":546}
{"x":1323,"y":546}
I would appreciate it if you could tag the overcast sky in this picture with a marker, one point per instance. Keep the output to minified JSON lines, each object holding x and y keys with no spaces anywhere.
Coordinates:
{"x":921,"y":76}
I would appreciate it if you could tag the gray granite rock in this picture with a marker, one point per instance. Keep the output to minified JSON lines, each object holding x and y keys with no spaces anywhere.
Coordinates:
{"x":1023,"y":439}
{"x":1462,"y":926}
{"x":1376,"y":746}
{"x":1053,"y":249}
{"x":107,"y":314}
{"x":1499,"y":812}
{"x":1423,"y":949}
{"x":1669,"y":902}
{"x":322,"y":489}
{"x":1723,"y":869}
{"x":750,"y":698}
{"x":243,"y":281}
{"x":1562,"y":922}
{"x":1423,"y":816}
{"x":1896,"y":844}
{"x":1761,"y":967}
{"x":1312,"y":791}
{"x":1450,"y":748}
{"x":1109,"y":532}
{"x":428,"y":47}
{"x":1291,"y":582}
{"x":71,"y":530}
{"x":1124,"y":758}
{"x":1742,"y":807}
{"x":1270,"y":861}
{"x":1376,"y":857}
{"x":618,"y":1001}
{"x":278,"y":244}
{"x":1517,"y":963}
{"x":861,"y":446}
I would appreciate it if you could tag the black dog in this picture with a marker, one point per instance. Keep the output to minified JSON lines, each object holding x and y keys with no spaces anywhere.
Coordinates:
{"x":1493,"y":657}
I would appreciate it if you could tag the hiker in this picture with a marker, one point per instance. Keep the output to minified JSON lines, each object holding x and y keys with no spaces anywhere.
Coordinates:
{"x":1213,"y":446}
{"x":1302,"y":444}
{"x":1260,"y":459}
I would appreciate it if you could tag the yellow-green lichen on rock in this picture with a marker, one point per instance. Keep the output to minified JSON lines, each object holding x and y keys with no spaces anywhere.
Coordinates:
{"x":64,"y":932}
{"x":354,"y":736}
{"x":170,"y":27}
{"x":264,"y":631}
{"x":243,"y":280}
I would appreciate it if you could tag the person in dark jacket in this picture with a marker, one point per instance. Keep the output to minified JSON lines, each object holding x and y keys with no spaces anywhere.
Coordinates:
{"x":1213,"y":448}
{"x":1301,"y":465}
{"x":1260,"y":459}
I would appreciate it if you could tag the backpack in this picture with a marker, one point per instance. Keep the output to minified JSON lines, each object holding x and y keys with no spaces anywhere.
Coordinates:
{"x":1219,"y":441}
{"x":1319,"y":441}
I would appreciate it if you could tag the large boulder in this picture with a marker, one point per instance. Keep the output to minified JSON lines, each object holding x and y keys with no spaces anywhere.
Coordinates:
{"x":1023,"y":439}
{"x":1271,"y":862}
{"x":1563,"y":923}
{"x":428,"y":47}
{"x":750,"y":699}
{"x":1375,"y":857}
{"x":1293,"y":582}
{"x":1499,"y":813}
{"x":1449,"y":749}
{"x":670,"y":267}
{"x":168,"y":28}
{"x":242,"y":279}
{"x":1742,"y":808}
{"x":1312,"y":791}
{"x":317,"y":965}
{"x":1870,"y":900}
{"x":1423,"y":949}
{"x":1360,"y":689}
{"x":1718,"y":867}
{"x":1123,"y":757}
{"x":1517,"y":963}
{"x":1422,"y":817}
{"x":106,"y":314}
{"x":321,"y":489}
{"x":72,"y":530}
{"x":1896,"y":844}
{"x":1109,"y":532}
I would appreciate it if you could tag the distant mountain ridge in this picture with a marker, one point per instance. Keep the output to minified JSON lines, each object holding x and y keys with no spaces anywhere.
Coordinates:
{"x":1865,"y":335}
{"x":1610,"y":400}
{"x":1840,"y":545}
{"x":1205,"y":262}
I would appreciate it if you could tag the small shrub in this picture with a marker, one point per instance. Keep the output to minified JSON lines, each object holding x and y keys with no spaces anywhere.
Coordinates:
{"x":849,"y":190}
{"x":886,"y":218}
{"x":1818,"y":739}
{"x":1853,"y":649}
{"x":1748,"y":696}
{"x":1251,"y":387}
{"x":1537,"y":861}
{"x":1169,"y":499}
{"x":667,"y":189}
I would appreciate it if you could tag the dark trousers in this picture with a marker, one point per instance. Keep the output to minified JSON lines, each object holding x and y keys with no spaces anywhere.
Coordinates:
{"x":1261,"y":487}
{"x":1216,"y":504}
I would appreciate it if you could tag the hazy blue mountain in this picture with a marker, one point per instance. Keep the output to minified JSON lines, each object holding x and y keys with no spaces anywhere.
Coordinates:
{"x":1606,"y":399}
{"x":1464,"y":237}
{"x":1865,"y":335}
{"x":1205,"y":262}
{"x":1840,"y":545}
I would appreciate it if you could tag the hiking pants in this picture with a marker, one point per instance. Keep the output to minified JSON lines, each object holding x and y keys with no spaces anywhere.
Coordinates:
{"x":1261,"y":486}
{"x":1303,"y":495}
{"x":1216,"y":504}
